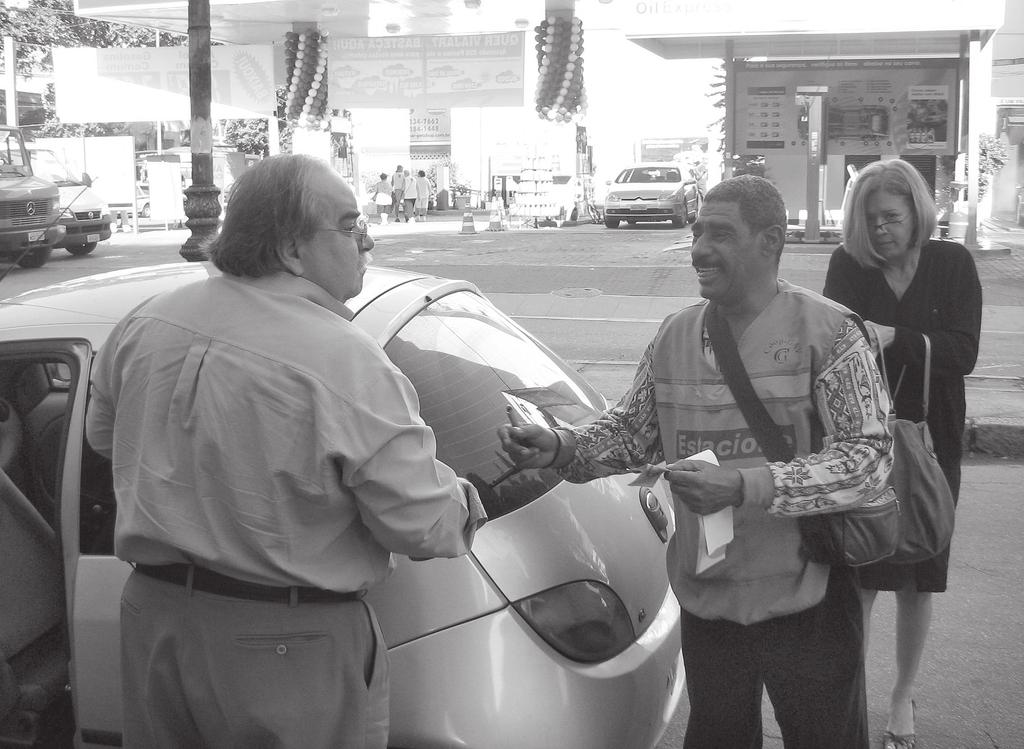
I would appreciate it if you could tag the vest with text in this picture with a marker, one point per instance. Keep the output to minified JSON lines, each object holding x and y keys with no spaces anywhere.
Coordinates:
{"x":763,"y":574}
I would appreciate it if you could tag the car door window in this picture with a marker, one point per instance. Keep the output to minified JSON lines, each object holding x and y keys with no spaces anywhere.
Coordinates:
{"x":37,"y":392}
{"x":465,"y":360}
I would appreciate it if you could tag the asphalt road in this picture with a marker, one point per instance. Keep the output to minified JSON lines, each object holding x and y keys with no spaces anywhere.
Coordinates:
{"x":590,"y":268}
{"x":595,"y":296}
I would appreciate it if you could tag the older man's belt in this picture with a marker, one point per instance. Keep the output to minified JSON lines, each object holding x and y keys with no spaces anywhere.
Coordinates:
{"x":209,"y":581}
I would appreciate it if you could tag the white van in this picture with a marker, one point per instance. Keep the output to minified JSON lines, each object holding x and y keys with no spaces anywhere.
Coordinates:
{"x":84,"y":214}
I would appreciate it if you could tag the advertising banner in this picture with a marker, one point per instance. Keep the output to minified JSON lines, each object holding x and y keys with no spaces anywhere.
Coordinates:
{"x":138,"y":84}
{"x":426,"y":71}
{"x":871,"y":106}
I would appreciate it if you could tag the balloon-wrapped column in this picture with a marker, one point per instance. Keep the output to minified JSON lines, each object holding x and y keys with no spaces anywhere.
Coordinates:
{"x":306,"y":64}
{"x":561,"y":96}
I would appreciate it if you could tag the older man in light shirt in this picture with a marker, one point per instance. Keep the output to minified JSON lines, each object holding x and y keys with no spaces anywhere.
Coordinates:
{"x":267,"y":460}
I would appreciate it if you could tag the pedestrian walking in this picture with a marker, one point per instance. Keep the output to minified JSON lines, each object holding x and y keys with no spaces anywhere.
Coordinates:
{"x":409,"y":197}
{"x":398,"y":191}
{"x":422,"y":195}
{"x":382,"y":197}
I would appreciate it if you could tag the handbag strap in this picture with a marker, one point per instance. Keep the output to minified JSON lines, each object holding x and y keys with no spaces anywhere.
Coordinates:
{"x":926,"y":384}
{"x":767,"y":433}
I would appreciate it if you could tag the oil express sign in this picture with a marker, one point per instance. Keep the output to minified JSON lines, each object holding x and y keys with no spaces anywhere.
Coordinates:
{"x":727,"y":444}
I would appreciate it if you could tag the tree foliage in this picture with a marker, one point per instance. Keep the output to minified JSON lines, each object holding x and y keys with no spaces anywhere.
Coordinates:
{"x":253,"y":136}
{"x":248,"y":136}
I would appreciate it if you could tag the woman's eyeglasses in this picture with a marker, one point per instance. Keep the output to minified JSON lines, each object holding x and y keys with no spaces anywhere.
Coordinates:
{"x":885,"y":222}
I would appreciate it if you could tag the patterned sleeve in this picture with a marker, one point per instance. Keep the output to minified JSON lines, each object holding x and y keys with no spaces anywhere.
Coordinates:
{"x":625,"y":437}
{"x":856,"y":457}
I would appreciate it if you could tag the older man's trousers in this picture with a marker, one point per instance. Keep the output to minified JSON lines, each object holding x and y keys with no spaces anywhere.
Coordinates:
{"x":204,"y":670}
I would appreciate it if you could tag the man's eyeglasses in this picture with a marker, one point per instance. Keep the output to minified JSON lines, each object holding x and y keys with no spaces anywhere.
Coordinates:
{"x":358,"y":231}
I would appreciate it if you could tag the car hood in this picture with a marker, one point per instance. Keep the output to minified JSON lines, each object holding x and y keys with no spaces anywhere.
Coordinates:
{"x":594,"y":531}
{"x":77,"y":197}
{"x":629,"y":192}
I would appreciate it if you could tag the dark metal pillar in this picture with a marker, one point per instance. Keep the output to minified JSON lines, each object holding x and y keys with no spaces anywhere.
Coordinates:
{"x":201,"y":205}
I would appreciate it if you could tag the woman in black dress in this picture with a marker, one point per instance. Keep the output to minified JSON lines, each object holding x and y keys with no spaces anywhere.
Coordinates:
{"x":905,"y":284}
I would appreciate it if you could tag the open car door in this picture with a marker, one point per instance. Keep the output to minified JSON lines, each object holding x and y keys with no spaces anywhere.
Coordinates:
{"x":43,"y":387}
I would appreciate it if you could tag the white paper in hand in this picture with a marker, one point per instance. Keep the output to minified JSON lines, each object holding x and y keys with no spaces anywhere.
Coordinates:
{"x":715,"y":529}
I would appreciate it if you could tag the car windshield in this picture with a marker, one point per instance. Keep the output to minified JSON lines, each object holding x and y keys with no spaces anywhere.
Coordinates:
{"x":468,"y":362}
{"x":46,"y":166}
{"x":648,"y":174}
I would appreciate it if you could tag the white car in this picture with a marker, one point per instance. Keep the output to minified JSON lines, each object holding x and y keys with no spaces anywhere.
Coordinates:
{"x":560,"y":628}
{"x":657,"y":191}
{"x":84,"y":214}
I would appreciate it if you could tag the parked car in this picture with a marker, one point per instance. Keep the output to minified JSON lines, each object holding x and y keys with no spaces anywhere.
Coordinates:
{"x":142,"y":201}
{"x":84,"y":214}
{"x":651,"y":192}
{"x":560,"y":629}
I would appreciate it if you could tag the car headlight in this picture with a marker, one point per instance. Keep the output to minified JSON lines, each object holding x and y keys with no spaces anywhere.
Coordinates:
{"x":612,"y":198}
{"x":583,"y":620}
{"x":669,"y":195}
{"x":104,"y":209}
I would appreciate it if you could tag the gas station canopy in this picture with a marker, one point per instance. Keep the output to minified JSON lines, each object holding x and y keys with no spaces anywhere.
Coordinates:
{"x":788,"y":29}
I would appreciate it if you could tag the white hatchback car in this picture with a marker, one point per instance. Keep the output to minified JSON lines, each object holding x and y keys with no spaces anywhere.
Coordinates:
{"x":560,"y":628}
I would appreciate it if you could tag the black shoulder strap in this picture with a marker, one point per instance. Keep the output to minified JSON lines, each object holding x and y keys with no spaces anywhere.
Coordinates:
{"x":766,"y":431}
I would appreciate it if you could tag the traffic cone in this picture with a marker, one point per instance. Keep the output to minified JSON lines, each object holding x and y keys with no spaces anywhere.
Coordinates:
{"x":467,"y":223}
{"x":495,"y":221}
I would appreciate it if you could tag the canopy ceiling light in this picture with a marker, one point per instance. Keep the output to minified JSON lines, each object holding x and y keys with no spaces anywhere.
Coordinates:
{"x":472,"y":4}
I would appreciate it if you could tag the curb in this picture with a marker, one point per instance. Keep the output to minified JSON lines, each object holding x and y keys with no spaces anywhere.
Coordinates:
{"x":1001,"y":437}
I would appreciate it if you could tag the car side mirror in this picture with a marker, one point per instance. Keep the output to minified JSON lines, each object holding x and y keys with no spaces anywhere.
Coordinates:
{"x":86,"y":179}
